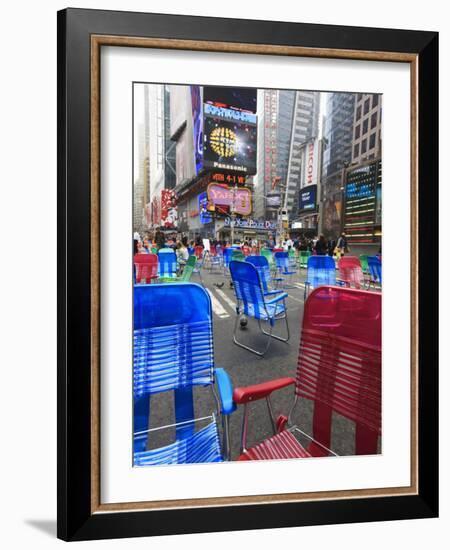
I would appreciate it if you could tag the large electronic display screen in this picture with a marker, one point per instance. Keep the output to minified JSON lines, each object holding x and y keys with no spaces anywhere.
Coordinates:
{"x":229,"y":129}
{"x":240,"y":99}
{"x":308,"y":198}
{"x":229,"y":145}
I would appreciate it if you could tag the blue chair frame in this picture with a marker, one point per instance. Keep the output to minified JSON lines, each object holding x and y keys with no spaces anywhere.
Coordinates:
{"x":252,"y":302}
{"x":173,"y":352}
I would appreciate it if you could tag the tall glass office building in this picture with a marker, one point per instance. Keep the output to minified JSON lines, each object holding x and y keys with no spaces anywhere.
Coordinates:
{"x":337,"y":154}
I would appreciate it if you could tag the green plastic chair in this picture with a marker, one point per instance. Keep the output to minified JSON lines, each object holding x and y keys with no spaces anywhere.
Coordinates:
{"x":154,"y":250}
{"x":292,"y":258}
{"x":185,"y":277}
{"x":303,"y":258}
{"x":364,"y":263}
{"x":238,"y":256}
{"x":267,"y":253}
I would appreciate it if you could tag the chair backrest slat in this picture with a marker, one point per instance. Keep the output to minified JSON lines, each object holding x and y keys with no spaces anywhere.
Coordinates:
{"x":350,"y":271}
{"x":248,"y":287}
{"x":262,"y":265}
{"x":146,"y":266}
{"x":321,"y":271}
{"x":374,"y":264}
{"x":167,"y":264}
{"x":173,"y":339}
{"x":339,"y":364}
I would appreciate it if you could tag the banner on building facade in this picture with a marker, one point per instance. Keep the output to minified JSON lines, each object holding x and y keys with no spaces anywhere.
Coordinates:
{"x":169,"y":217}
{"x":248,"y":223}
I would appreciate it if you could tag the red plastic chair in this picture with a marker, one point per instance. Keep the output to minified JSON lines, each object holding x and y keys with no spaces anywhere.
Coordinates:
{"x":146,"y":266}
{"x":339,"y":370}
{"x":198,"y":251}
{"x":350,"y":271}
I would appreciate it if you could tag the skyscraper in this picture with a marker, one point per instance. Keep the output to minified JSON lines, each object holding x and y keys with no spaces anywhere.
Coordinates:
{"x":337,"y":154}
{"x":305,"y":127}
{"x":367,"y":128}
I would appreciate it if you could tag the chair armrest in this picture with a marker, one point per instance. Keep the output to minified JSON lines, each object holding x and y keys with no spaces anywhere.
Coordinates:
{"x":225,"y":388}
{"x":259,"y":391}
{"x":272,"y":292}
{"x":282,"y":296}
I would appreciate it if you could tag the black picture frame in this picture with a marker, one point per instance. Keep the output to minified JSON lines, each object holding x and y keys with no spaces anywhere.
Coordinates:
{"x":76,"y":518}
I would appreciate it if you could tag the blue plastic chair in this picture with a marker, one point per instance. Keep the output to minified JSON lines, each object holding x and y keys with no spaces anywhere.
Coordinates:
{"x":173,"y":352}
{"x":167,"y":263}
{"x":216,"y":261}
{"x":227,"y":254}
{"x":283,"y":266}
{"x":262,"y":265}
{"x":375,"y":271}
{"x":252,"y":302}
{"x":321,"y":270}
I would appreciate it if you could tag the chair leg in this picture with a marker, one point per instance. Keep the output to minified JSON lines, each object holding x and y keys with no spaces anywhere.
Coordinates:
{"x":255,"y":351}
{"x":280,"y":338}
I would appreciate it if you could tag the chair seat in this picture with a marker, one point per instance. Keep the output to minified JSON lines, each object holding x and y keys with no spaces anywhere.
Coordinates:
{"x":200,"y":447}
{"x":279,"y":446}
{"x":269,"y":312}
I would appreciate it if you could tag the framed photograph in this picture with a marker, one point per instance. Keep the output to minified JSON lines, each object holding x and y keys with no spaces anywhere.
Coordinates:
{"x":247,"y":270}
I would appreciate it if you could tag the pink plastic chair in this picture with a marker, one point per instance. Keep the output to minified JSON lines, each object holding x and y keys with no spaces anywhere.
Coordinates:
{"x":339,"y":370}
{"x":146,"y":266}
{"x":350,"y":271}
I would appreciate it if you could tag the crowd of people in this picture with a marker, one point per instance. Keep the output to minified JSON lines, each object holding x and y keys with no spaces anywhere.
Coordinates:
{"x":152,"y":242}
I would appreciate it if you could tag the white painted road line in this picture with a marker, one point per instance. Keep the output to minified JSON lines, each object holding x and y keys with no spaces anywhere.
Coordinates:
{"x":299,"y":285}
{"x":217,"y":307}
{"x":226,"y":299}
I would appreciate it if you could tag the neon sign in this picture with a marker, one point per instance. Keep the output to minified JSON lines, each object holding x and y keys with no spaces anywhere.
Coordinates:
{"x":239,"y":199}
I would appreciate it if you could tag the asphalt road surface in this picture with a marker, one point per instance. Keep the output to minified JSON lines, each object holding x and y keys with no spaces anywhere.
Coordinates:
{"x":245,"y":368}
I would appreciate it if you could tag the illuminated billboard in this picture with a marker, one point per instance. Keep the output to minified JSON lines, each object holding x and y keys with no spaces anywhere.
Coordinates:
{"x":360,"y":216}
{"x":239,"y":99}
{"x":229,"y":146}
{"x":308,"y":198}
{"x":197,"y":126}
{"x":229,"y":129}
{"x":238,"y":199}
{"x":205,"y":216}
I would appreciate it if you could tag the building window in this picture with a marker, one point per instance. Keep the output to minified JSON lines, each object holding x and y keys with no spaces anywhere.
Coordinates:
{"x":356,"y":150}
{"x":374,"y":100}
{"x":365,"y":126}
{"x":357,"y":131}
{"x":367,"y":106}
{"x":372,"y":140}
{"x":359,"y":97}
{"x":363,"y":146}
{"x":358,"y":113}
{"x":373,"y":120}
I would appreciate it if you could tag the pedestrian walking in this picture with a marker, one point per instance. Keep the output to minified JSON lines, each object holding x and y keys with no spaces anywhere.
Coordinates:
{"x":331,"y":246}
{"x":342,"y":245}
{"x":321,"y":247}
